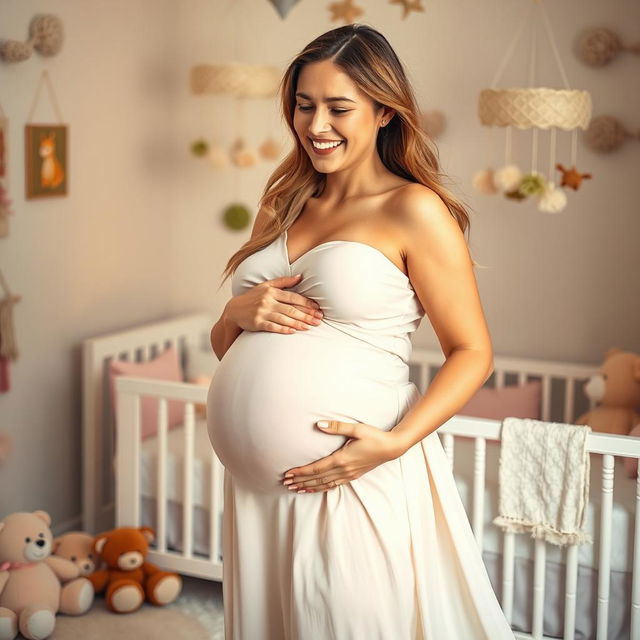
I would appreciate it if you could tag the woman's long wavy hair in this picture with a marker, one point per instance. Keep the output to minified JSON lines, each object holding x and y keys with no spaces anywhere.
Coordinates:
{"x":366,"y":56}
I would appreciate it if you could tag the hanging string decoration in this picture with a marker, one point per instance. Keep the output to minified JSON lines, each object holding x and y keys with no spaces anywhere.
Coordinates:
{"x":5,"y":200}
{"x":607,"y":133}
{"x":46,"y":36}
{"x":533,"y":108}
{"x":283,"y":6}
{"x":345,"y":10}
{"x":599,"y":46}
{"x":408,"y":6}
{"x":239,"y":81}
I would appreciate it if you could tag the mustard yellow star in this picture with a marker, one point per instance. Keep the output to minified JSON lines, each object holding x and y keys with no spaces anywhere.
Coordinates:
{"x":346,"y":10}
{"x":408,"y":6}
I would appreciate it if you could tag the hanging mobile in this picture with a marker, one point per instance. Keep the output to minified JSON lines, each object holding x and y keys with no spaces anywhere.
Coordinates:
{"x":533,"y":108}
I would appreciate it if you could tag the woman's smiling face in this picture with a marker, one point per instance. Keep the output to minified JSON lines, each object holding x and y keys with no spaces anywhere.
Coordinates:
{"x":330,"y":109}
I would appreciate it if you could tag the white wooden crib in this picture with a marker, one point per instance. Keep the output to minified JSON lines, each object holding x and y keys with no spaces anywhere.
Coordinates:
{"x":173,"y":482}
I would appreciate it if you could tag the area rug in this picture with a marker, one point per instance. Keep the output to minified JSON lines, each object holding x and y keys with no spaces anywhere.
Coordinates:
{"x":195,"y":615}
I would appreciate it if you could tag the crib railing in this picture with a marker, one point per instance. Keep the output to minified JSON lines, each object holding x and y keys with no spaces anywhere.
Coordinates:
{"x":128,"y":494}
{"x":129,"y":391}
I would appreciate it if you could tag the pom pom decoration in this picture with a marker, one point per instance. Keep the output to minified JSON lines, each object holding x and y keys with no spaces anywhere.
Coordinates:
{"x":483,"y":182}
{"x":218,"y":157}
{"x":236,"y":216}
{"x":532,"y":184}
{"x":242,"y":155}
{"x":46,"y":36}
{"x":515,"y":194}
{"x":507,"y":178}
{"x":433,"y":122}
{"x":270,"y":149}
{"x":199,"y":147}
{"x":606,"y":134}
{"x":597,"y":47}
{"x":553,"y":200}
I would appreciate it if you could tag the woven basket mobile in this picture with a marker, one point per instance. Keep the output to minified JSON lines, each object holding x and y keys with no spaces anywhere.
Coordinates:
{"x":534,"y":108}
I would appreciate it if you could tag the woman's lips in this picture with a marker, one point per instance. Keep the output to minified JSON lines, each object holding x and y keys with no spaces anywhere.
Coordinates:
{"x":326,"y":152}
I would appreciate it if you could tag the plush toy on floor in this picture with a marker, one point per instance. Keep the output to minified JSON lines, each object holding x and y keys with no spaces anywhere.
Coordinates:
{"x":77,"y":547}
{"x":30,"y":579}
{"x":128,"y":579}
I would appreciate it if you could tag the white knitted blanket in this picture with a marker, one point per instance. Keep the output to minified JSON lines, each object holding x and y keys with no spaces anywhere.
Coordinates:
{"x":544,"y":480}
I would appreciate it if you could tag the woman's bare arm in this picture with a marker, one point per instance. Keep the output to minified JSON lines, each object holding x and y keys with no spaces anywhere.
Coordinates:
{"x":225,"y":331}
{"x":224,"y":334}
{"x":441,"y":272}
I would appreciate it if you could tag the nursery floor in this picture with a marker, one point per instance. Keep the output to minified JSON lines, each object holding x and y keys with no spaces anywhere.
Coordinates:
{"x":197,"y":614}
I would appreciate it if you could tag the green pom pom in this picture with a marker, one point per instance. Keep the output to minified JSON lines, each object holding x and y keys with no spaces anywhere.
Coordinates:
{"x":236,"y":216}
{"x":199,"y":147}
{"x":532,"y":184}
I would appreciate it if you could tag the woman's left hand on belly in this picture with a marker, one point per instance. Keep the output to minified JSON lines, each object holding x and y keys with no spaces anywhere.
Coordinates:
{"x":368,"y":448}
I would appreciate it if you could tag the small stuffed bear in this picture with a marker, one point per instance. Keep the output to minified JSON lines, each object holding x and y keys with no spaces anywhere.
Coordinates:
{"x":30,"y":589}
{"x":128,"y":578}
{"x":616,"y":389}
{"x":76,"y":546}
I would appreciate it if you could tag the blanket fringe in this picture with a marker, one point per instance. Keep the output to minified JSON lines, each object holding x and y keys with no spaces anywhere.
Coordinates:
{"x":543,"y":531}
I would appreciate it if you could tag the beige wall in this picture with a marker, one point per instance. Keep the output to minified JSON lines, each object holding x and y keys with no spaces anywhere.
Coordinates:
{"x":139,"y":236}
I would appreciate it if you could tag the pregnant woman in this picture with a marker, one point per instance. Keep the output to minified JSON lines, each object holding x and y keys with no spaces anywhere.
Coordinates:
{"x":342,"y":519}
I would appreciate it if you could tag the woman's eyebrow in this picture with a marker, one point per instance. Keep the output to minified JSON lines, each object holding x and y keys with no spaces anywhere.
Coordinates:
{"x":299,"y":94}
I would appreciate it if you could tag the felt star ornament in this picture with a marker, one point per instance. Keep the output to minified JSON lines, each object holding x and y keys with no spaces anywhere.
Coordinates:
{"x":571,"y":177}
{"x":408,"y":6}
{"x":345,"y":10}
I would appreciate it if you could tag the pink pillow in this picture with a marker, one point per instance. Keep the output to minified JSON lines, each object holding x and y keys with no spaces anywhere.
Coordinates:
{"x":631,"y":464}
{"x":165,"y":367}
{"x":517,"y":401}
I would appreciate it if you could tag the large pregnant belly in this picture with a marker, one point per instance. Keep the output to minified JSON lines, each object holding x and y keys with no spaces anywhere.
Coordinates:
{"x":270,"y":389}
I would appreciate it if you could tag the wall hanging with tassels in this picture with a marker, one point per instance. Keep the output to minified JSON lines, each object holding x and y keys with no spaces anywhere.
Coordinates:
{"x":8,"y":344}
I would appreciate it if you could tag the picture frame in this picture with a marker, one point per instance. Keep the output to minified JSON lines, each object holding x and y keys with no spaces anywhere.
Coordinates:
{"x":46,"y":160}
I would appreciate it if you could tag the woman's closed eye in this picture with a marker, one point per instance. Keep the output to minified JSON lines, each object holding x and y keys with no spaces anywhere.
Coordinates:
{"x":303,"y":107}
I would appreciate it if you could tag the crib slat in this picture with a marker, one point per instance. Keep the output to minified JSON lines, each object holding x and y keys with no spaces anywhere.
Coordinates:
{"x":546,"y":397}
{"x":569,"y":399}
{"x":635,"y":588}
{"x":128,"y":459}
{"x":187,"y":498}
{"x":499,"y":378}
{"x":539,"y":566}
{"x":522,"y":377}
{"x":508,"y":583}
{"x":604,"y":561}
{"x":161,"y":487}
{"x":570,"y":595}
{"x":479,"y":466}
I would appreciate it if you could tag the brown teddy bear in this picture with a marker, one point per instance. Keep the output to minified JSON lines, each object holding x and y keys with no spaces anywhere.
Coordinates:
{"x":30,"y":589}
{"x":128,"y":579}
{"x":77,"y":547}
{"x":616,"y":390}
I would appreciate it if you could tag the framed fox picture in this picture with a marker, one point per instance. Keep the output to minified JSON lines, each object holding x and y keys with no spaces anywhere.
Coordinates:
{"x":46,"y":160}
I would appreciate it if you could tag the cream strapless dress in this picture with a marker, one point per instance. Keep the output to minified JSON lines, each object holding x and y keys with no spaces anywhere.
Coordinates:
{"x":388,"y":556}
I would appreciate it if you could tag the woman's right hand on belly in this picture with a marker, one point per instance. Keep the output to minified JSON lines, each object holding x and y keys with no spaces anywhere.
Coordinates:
{"x":268,"y":307}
